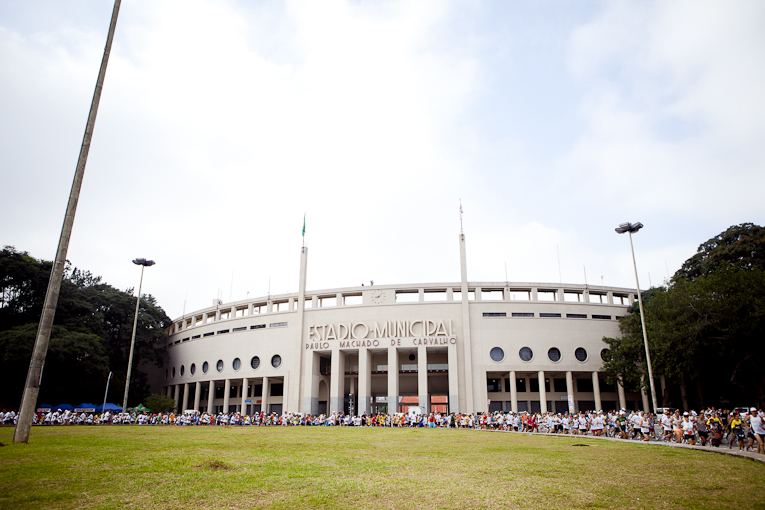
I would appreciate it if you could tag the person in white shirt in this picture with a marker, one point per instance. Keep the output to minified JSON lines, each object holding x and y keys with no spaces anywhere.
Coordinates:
{"x":689,"y":433}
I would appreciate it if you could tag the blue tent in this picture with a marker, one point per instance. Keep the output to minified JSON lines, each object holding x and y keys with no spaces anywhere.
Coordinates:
{"x":85,"y":407}
{"x":109,"y":407}
{"x":63,"y":407}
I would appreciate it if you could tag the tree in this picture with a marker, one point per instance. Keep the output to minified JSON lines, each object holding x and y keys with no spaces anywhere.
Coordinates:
{"x":706,"y":328}
{"x":91,"y":334}
{"x":160,"y":403}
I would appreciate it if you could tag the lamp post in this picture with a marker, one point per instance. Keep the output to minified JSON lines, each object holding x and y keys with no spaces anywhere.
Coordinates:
{"x":144,"y":264}
{"x":630,"y":228}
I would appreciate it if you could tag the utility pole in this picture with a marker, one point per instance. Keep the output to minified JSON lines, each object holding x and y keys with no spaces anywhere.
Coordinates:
{"x":36,"y":364}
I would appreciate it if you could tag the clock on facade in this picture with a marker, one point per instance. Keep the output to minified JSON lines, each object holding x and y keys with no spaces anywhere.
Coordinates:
{"x":378,"y":296}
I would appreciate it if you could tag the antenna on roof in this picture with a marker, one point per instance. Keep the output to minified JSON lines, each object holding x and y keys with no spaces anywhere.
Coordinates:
{"x":461,"y":231}
{"x":585,"y":275}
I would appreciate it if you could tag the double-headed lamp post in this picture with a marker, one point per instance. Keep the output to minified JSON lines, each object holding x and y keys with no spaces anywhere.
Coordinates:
{"x":144,"y":264}
{"x":630,"y":228}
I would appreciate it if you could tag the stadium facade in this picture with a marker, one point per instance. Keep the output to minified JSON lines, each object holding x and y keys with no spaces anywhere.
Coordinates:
{"x":456,"y":347}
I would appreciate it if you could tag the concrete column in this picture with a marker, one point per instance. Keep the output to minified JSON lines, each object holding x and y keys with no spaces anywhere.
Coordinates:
{"x":596,"y":390}
{"x":422,"y":378}
{"x":610,"y":297}
{"x":352,"y":391}
{"x":561,"y":297}
{"x":392,"y":380}
{"x":421,"y":295}
{"x":264,"y":397}
{"x":211,"y":398}
{"x":226,"y":395}
{"x":513,"y":392}
{"x":185,"y":397}
{"x":454,"y":383}
{"x":337,"y":382}
{"x":245,"y":383}
{"x":570,"y":392}
{"x":177,"y":396}
{"x":365,"y":382}
{"x":467,"y":344}
{"x":542,"y":392}
{"x":620,"y":389}
{"x":197,"y":395}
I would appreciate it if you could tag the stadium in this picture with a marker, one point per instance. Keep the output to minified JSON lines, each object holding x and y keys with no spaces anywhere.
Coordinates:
{"x":462,"y":347}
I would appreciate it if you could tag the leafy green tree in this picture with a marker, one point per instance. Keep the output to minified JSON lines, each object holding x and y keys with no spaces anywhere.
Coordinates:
{"x":160,"y":403}
{"x":706,"y":327}
{"x":91,"y":334}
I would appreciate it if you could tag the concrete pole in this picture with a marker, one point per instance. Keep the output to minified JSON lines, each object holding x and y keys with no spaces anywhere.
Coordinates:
{"x":36,"y":364}
{"x":132,"y":341}
{"x":337,"y":382}
{"x":622,"y":397}
{"x":364,"y":400}
{"x":454,"y":383}
{"x":264,"y":397}
{"x":177,"y":396}
{"x":185,"y":397}
{"x":467,"y":346}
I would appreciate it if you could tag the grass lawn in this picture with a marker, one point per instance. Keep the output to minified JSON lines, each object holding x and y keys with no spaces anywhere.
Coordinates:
{"x":322,"y":467}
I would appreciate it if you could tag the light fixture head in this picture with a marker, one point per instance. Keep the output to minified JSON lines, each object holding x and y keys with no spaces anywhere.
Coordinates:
{"x":628,"y":227}
{"x":143,"y":262}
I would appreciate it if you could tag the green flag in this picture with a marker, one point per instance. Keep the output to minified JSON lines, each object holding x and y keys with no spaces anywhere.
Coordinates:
{"x":304,"y":225}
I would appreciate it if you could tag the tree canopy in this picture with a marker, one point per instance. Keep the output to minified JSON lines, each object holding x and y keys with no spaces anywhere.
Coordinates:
{"x":706,"y":328}
{"x":90,"y":337}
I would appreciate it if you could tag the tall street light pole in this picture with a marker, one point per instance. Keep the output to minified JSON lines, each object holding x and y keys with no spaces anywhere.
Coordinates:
{"x":630,"y":228}
{"x":144,"y":264}
{"x":36,"y":364}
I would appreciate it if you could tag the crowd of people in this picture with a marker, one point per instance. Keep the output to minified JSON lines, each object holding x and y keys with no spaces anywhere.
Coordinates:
{"x":710,"y":427}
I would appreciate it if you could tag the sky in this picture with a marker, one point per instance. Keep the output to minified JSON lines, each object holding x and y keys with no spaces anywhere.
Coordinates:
{"x":222,"y":123}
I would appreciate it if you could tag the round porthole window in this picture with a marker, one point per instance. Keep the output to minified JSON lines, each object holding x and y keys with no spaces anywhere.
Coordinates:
{"x":554,"y":354}
{"x":219,"y":365}
{"x":237,"y":364}
{"x":497,"y":354}
{"x":205,"y":367}
{"x":255,"y":362}
{"x":604,"y":354}
{"x":526,"y":354}
{"x":183,"y":370}
{"x":276,"y":361}
{"x":193,"y":368}
{"x":411,"y":357}
{"x":581,"y":354}
{"x":173,"y":372}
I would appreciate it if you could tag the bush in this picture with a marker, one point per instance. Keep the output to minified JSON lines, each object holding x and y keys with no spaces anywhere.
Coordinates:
{"x":160,"y":403}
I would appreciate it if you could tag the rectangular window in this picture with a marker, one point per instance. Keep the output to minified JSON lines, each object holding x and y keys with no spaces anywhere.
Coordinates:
{"x":178,"y":341}
{"x":576,"y":315}
{"x":185,"y":339}
{"x":277,"y":390}
{"x":621,"y":299}
{"x":619,"y":317}
{"x":534,"y":385}
{"x":195,"y":337}
{"x":547,"y":295}
{"x":507,"y":385}
{"x":225,"y":315}
{"x":240,"y":312}
{"x":211,"y":333}
{"x":258,"y":326}
{"x":243,"y":328}
{"x":584,"y":385}
{"x":494,"y":314}
{"x":223,"y":331}
{"x":257,"y":390}
{"x":493,"y":385}
{"x":219,"y":391}
{"x":407,"y":296}
{"x":277,"y":325}
{"x":308,"y":303}
{"x":520,"y":385}
{"x":519,"y":295}
{"x":597,"y":298}
{"x":281,"y":306}
{"x":492,"y":295}
{"x":457,"y":295}
{"x":605,"y":317}
{"x":523,"y":314}
{"x":560,"y":385}
{"x":352,"y":299}
{"x":572,"y":297}
{"x":325,"y":366}
{"x":259,"y":308}
{"x":210,"y":318}
{"x":327,"y":301}
{"x":232,"y":391}
{"x":435,"y":295}
{"x":543,"y":314}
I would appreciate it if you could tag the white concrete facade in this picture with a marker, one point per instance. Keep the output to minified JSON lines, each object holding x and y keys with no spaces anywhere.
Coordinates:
{"x":441,"y":346}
